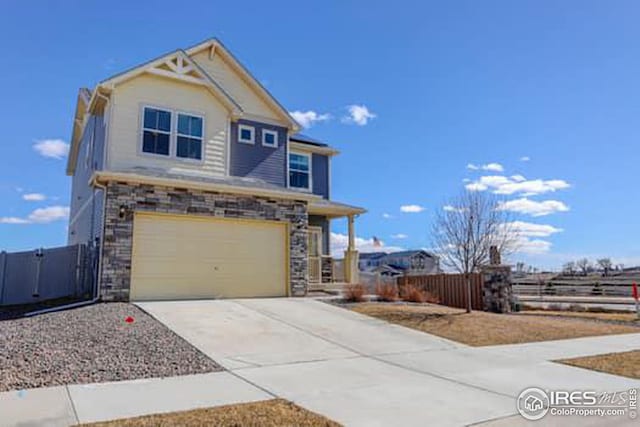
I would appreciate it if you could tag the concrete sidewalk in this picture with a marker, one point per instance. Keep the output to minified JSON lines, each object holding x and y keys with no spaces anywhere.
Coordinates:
{"x":69,"y":405}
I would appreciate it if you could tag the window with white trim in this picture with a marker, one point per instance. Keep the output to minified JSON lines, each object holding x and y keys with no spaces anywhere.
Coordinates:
{"x":156,"y":131}
{"x":189,"y":137}
{"x":269,"y":138}
{"x":246,"y":134}
{"x":300,"y":171}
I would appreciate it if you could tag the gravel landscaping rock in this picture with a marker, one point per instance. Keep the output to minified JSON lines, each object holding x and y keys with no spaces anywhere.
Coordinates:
{"x":93,"y":344}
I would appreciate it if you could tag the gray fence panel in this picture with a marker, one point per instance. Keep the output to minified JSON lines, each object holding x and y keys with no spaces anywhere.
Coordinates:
{"x":58,"y":273}
{"x":19,"y":278}
{"x":3,"y":265}
{"x":45,"y":274}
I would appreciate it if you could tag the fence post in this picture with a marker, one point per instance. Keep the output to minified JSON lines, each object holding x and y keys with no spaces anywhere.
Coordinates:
{"x":3,"y":273}
{"x":39,"y":255}
{"x":79,"y":270}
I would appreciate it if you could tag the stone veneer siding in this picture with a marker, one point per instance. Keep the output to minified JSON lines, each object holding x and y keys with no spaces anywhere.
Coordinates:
{"x":118,"y":232}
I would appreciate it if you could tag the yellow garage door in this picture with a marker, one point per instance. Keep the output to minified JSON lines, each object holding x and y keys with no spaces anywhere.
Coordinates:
{"x":186,"y":257}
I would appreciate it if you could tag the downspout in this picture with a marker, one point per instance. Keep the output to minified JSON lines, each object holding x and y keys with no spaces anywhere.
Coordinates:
{"x":96,"y":293}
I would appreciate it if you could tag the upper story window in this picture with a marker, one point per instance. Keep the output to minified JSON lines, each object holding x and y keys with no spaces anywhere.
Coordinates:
{"x":246,"y":134}
{"x":300,"y":171}
{"x":166,"y":133}
{"x":189,"y":137}
{"x":156,"y":131}
{"x":269,"y":138}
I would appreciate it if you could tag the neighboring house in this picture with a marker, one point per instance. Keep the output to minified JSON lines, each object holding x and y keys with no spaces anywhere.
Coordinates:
{"x":193,"y":182}
{"x":370,"y":260}
{"x":405,"y":262}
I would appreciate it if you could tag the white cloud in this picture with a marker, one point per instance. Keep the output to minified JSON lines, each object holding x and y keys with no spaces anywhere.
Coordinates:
{"x":475,"y":186}
{"x":532,"y":207}
{"x":387,"y":216}
{"x":529,"y":229}
{"x":493,"y":167}
{"x":525,"y":158}
{"x":399,"y":236}
{"x":49,"y":214}
{"x":13,"y":220}
{"x":358,"y":114}
{"x":339,"y":243}
{"x":516,"y":184}
{"x":40,"y":216}
{"x":34,"y":197}
{"x":533,"y":246}
{"x":411,"y":208}
{"x":52,"y":148}
{"x":307,"y":119}
{"x":449,"y":208}
{"x":527,"y":240}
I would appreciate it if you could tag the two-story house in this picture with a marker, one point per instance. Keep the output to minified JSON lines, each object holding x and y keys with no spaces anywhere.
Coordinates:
{"x":413,"y":262}
{"x":192,"y":181}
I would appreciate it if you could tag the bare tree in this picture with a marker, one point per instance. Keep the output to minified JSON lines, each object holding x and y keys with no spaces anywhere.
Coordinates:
{"x":606,"y":265}
{"x":569,"y":268}
{"x":584,"y":265}
{"x":466,"y":228}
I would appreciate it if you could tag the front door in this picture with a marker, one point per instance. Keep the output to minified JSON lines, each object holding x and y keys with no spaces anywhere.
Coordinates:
{"x":314,"y":247}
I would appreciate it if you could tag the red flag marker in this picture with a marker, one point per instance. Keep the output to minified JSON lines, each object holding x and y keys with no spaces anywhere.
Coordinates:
{"x":634,"y":291}
{"x":129,"y":319}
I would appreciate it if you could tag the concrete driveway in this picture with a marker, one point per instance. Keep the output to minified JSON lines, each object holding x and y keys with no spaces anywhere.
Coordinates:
{"x":361,"y":371}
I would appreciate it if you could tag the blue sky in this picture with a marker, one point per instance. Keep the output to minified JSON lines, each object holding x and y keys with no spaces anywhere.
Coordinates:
{"x":450,"y":87}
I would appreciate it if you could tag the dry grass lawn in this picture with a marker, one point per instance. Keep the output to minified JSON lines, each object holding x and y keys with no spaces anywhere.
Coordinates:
{"x":268,"y":413}
{"x":629,"y":317}
{"x":626,"y":364}
{"x":479,"y":328}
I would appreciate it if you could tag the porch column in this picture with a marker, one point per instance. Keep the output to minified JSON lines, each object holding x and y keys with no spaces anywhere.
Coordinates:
{"x":351,"y":256}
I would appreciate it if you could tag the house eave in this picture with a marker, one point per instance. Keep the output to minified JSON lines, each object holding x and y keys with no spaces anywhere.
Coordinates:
{"x":333,"y":210}
{"x":104,"y":177}
{"x":309,"y":148}
{"x":79,"y":121}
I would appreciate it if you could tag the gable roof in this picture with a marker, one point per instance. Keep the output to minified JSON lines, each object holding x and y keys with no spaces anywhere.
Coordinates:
{"x":372,"y":255}
{"x":180,"y":66}
{"x":216,"y":47}
{"x":411,"y":253}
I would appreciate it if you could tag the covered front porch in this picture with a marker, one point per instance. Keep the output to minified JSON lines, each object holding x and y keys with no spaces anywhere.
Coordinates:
{"x":325,"y":271}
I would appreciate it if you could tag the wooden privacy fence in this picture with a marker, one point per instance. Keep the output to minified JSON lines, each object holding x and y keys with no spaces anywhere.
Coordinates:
{"x":450,"y":289}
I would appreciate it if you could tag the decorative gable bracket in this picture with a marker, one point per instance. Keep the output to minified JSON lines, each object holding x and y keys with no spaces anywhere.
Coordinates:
{"x":179,"y":67}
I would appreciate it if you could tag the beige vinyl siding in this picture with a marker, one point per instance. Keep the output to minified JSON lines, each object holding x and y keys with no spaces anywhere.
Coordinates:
{"x":124,"y":146}
{"x":188,"y":257}
{"x":250,"y":102}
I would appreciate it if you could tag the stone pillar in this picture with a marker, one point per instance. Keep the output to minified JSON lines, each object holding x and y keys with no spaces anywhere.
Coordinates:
{"x":497,"y":294}
{"x":494,"y":256}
